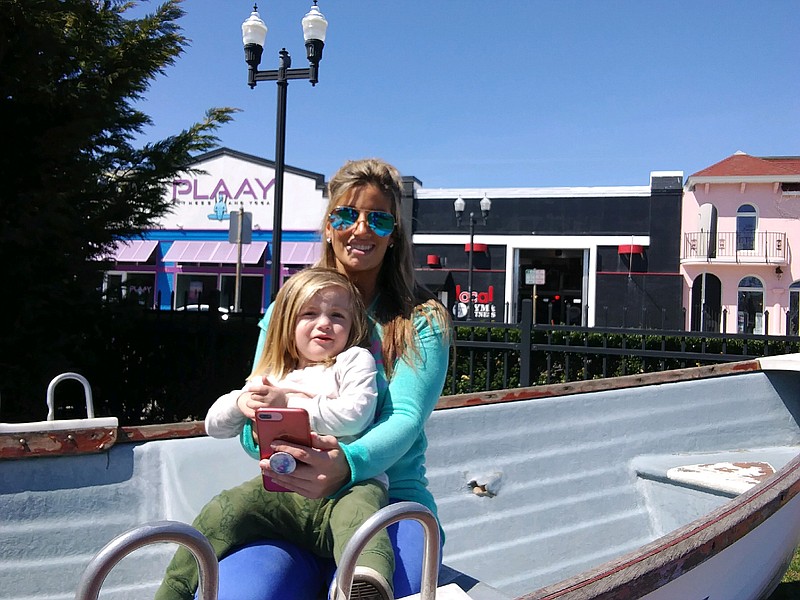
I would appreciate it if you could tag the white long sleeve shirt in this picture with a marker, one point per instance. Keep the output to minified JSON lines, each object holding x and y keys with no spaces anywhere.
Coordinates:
{"x":340,"y":399}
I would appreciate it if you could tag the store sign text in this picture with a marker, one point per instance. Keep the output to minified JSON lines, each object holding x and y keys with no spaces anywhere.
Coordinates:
{"x":482,"y":302}
{"x":190,"y":189}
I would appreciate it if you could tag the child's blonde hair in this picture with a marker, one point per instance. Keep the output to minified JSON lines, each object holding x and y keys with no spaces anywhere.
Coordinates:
{"x":280,"y":355}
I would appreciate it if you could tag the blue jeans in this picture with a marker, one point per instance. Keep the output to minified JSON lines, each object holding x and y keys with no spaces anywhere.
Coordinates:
{"x":276,"y":570}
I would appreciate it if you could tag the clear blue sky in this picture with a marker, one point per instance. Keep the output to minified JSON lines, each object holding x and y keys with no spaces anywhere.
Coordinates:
{"x":502,"y":93}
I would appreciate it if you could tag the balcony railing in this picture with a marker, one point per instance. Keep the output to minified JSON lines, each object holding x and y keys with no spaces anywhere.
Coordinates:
{"x":732,"y":247}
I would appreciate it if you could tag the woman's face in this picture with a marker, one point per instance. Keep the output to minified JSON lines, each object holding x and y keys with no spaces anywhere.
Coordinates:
{"x":358,"y":249}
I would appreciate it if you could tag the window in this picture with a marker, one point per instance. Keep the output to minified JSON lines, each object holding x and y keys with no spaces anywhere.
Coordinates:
{"x":746,"y":221}
{"x":194,"y":290}
{"x":793,"y":318}
{"x":706,"y":303}
{"x":251,"y":293}
{"x":707,"y":221}
{"x":134,"y":288}
{"x":751,"y":305}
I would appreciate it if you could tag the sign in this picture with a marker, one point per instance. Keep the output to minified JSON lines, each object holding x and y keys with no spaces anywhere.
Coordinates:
{"x":247,"y":228}
{"x":534,"y":276}
{"x":483,"y":305}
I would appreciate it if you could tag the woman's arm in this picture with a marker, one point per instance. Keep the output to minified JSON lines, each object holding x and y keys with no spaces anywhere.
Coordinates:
{"x":409,"y":401}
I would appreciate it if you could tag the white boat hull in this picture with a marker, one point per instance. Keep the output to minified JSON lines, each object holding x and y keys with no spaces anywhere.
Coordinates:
{"x":592,"y":491}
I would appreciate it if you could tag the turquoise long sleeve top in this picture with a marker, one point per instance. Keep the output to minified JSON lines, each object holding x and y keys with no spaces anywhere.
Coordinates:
{"x":396,"y":442}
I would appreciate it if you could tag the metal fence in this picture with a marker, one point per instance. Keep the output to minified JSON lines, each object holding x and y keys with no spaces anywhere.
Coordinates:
{"x":502,"y":355}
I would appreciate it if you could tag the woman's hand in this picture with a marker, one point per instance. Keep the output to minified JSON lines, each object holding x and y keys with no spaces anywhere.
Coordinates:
{"x":321,"y":470}
{"x":260,"y":395}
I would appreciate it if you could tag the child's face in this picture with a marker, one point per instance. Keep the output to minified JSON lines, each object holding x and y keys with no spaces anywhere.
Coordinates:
{"x":323,"y":325}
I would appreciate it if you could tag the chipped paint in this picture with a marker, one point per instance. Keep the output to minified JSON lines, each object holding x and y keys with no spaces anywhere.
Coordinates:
{"x":731,"y":477}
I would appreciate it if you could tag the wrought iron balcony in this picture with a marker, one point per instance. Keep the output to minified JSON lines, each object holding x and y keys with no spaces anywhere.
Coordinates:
{"x":762,"y":247}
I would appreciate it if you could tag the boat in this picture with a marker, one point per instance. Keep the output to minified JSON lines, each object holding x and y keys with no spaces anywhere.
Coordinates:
{"x":674,"y":485}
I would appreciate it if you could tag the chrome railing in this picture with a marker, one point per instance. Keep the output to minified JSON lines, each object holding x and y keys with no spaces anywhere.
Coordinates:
{"x":51,"y":392}
{"x":381,"y":519}
{"x":150,"y":533}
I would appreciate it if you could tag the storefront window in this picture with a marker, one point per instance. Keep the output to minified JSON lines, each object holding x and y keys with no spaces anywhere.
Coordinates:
{"x":751,"y":305}
{"x":194,"y":290}
{"x":136,"y":288}
{"x":251,"y":292}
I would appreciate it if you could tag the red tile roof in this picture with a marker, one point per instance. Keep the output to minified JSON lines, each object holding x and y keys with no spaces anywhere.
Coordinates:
{"x":744,"y":165}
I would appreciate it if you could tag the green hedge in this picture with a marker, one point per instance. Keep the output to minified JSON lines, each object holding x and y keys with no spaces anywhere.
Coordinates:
{"x":494,"y":369}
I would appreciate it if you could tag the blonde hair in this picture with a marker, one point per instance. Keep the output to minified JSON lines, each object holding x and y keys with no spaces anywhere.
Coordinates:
{"x":399,"y":298}
{"x":280,"y":355}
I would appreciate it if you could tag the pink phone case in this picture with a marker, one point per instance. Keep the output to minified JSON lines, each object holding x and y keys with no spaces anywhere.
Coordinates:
{"x":290,"y":424}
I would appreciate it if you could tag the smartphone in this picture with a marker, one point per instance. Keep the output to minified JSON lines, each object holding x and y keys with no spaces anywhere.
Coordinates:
{"x":290,"y":424}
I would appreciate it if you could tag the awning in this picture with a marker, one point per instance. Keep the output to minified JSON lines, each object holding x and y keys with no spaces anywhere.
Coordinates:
{"x":214,"y":252}
{"x":630,"y":249}
{"x":300,"y":253}
{"x":133,"y":251}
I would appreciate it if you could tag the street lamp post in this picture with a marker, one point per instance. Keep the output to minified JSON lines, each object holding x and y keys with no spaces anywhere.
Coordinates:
{"x":254,"y":33}
{"x":459,"y":205}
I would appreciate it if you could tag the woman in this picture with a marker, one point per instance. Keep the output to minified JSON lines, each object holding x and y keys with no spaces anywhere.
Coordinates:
{"x":366,"y":240}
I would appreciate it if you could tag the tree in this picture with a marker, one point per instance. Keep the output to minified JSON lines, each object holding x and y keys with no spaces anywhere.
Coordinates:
{"x":72,"y":178}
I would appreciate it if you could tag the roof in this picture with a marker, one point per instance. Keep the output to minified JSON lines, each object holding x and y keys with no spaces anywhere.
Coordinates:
{"x":318,"y":178}
{"x":742,"y":167}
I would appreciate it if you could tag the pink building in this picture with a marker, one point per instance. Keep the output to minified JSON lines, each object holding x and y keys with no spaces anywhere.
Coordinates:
{"x":740,"y":224}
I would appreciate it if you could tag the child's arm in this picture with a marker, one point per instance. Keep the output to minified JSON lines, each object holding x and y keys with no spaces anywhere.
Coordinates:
{"x":224,"y":419}
{"x":354,"y":409}
{"x":227,"y":416}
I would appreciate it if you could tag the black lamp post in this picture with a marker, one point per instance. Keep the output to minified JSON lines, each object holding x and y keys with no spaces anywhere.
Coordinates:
{"x":254,"y":33}
{"x":459,"y":205}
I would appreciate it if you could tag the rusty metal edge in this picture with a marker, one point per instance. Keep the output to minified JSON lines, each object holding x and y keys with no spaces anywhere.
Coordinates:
{"x":66,"y":442}
{"x":11,"y":448}
{"x":595,"y":385}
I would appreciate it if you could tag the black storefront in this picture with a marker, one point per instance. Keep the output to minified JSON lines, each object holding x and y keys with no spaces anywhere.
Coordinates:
{"x":611,"y":256}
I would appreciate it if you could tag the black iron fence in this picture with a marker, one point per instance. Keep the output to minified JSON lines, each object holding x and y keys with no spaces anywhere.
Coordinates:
{"x":501,"y":356}
{"x":152,"y":366}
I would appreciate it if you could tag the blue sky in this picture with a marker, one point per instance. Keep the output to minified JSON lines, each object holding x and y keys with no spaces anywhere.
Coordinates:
{"x":502,"y":93}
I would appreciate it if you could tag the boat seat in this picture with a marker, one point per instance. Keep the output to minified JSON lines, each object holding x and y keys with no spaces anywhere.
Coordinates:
{"x":723,"y":473}
{"x":474,"y":589}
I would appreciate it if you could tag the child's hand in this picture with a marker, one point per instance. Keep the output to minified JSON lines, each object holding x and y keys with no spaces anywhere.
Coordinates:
{"x":260,"y":395}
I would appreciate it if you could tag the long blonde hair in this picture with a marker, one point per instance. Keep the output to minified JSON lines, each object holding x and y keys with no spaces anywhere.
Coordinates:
{"x":399,"y":298}
{"x":280,"y":355}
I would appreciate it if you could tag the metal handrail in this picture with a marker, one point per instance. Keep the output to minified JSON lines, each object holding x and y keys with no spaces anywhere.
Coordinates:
{"x":150,"y":533}
{"x":51,"y":390}
{"x":381,"y":519}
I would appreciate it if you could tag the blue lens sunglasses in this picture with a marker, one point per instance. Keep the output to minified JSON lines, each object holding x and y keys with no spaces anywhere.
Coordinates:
{"x":344,"y":217}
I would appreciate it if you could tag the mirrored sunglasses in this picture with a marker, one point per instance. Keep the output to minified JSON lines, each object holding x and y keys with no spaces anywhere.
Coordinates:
{"x":344,"y":217}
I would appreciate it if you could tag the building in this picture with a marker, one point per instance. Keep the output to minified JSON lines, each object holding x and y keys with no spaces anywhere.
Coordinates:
{"x":610,"y":255}
{"x":188,"y":260}
{"x":740,"y":223}
{"x":607,"y":255}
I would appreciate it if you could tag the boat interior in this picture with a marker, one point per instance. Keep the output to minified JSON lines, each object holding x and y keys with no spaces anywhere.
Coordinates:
{"x":534,"y":486}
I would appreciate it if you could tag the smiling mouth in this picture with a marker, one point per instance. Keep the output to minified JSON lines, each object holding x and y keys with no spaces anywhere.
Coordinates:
{"x":360,"y":247}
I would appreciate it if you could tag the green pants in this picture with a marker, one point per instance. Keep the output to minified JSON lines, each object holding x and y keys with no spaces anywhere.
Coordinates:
{"x":248,"y":513}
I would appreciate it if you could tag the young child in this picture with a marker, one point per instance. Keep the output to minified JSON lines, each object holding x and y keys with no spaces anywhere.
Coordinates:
{"x":313,"y":360}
